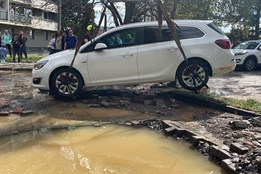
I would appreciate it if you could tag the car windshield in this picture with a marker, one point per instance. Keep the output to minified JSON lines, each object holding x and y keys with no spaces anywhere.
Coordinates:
{"x":247,"y":45}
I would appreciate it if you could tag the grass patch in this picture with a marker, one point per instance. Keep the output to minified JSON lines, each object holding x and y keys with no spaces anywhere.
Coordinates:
{"x":249,"y":104}
{"x":31,"y":58}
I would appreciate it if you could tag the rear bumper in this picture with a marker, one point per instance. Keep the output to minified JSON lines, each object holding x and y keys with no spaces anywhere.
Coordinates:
{"x":225,"y":69}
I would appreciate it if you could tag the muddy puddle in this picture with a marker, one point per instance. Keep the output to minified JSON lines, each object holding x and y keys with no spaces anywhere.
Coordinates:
{"x":106,"y":149}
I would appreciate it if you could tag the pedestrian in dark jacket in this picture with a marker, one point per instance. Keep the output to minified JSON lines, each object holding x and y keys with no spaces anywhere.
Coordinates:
{"x":16,"y":47}
{"x":23,"y":41}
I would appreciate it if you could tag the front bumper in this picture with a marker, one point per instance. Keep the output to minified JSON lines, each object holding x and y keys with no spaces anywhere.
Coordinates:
{"x":40,"y":79}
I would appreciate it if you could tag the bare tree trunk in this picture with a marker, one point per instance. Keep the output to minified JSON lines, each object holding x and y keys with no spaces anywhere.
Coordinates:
{"x":116,"y":13}
{"x":174,"y":9}
{"x":115,"y":18}
{"x":258,"y":13}
{"x":105,"y":22}
{"x":85,"y":22}
{"x":59,"y":14}
{"x":129,"y":6}
{"x":172,"y":28}
{"x":101,"y":19}
{"x":160,"y":20}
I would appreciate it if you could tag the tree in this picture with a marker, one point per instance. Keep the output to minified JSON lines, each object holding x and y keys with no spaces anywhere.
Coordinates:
{"x":74,"y":12}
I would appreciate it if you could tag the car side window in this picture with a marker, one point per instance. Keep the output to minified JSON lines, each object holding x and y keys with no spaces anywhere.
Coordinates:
{"x":121,"y":38}
{"x":152,"y":35}
{"x":190,"y":32}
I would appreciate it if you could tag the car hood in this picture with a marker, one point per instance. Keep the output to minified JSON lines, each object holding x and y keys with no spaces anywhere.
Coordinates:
{"x":68,"y":54}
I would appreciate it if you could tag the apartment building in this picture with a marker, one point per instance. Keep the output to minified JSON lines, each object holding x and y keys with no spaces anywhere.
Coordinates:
{"x":38,"y":19}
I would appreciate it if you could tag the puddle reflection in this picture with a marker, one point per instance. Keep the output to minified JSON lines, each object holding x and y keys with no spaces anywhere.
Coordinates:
{"x":107,"y":149}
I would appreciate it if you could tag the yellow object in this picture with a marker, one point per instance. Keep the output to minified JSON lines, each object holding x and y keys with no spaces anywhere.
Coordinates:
{"x":89,"y":27}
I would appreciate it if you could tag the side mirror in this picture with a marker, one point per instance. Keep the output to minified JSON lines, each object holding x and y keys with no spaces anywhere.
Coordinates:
{"x":100,"y":47}
{"x":259,"y":48}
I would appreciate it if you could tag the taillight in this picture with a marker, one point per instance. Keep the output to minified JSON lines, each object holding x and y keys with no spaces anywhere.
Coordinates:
{"x":223,"y":43}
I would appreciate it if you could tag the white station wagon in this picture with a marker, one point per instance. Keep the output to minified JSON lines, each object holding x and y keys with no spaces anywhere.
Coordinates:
{"x":138,"y":53}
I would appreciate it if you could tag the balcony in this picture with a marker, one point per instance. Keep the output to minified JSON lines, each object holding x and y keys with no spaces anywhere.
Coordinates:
{"x":20,"y":19}
{"x":33,"y":22}
{"x":22,"y":1}
{"x":43,"y":5}
{"x":43,"y":24}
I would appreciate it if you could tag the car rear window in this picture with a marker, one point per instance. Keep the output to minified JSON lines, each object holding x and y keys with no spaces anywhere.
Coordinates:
{"x":215,"y":28}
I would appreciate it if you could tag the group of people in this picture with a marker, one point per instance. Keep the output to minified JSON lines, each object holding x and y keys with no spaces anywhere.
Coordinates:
{"x":16,"y":46}
{"x":59,"y":41}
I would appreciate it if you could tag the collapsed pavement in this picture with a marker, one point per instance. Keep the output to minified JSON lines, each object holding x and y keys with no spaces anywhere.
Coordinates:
{"x":231,"y":140}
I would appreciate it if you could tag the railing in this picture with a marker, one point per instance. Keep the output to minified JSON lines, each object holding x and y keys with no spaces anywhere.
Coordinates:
{"x":23,"y":1}
{"x":20,"y":18}
{"x":3,"y":15}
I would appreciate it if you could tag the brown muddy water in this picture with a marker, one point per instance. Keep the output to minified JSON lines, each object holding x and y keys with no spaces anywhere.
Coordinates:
{"x":104,"y":150}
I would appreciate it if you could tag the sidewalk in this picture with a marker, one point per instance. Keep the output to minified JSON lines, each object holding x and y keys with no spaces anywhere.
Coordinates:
{"x":17,"y":66}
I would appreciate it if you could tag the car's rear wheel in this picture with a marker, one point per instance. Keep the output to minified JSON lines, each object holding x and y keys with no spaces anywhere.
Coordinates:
{"x":66,"y":82}
{"x":250,"y":64}
{"x":193,"y":75}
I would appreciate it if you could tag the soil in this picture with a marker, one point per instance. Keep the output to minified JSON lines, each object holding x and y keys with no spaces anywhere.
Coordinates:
{"x":18,"y":100}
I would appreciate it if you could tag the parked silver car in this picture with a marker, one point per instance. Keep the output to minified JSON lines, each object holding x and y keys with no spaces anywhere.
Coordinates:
{"x":248,"y":54}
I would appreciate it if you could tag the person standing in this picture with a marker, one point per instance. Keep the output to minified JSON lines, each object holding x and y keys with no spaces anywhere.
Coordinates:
{"x":59,"y":42}
{"x":51,"y":44}
{"x":70,"y":41}
{"x":7,"y":39}
{"x":23,"y":41}
{"x":2,"y":53}
{"x":16,"y":47}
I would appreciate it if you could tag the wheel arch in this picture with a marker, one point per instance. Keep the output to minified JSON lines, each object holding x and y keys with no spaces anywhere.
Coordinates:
{"x":62,"y":67}
{"x":197,"y":59}
{"x":251,"y":56}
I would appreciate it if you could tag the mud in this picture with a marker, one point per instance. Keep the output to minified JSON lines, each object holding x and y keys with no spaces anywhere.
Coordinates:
{"x":123,"y":105}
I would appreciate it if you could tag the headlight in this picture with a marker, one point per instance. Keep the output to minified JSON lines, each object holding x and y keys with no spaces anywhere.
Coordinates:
{"x":241,"y":53}
{"x":40,"y":64}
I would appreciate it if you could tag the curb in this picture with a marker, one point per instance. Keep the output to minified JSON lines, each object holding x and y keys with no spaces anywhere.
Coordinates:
{"x":189,"y":98}
{"x":17,"y":67}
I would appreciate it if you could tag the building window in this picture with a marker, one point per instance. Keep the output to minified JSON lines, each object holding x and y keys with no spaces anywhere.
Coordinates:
{"x":46,"y":35}
{"x":46,"y":15}
{"x":37,"y":12}
{"x":32,"y":34}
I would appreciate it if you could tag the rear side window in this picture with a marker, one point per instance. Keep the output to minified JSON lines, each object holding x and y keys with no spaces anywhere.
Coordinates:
{"x":190,"y":32}
{"x":215,"y":28}
{"x":152,"y":35}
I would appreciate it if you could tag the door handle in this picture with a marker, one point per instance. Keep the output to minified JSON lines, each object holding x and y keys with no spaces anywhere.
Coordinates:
{"x":172,"y":48}
{"x":126,"y":55}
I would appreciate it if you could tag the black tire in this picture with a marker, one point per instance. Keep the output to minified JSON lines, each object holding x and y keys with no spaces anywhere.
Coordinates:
{"x":250,"y":64}
{"x":193,"y":75}
{"x":66,"y":82}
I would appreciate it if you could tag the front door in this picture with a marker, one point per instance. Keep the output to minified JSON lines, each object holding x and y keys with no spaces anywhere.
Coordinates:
{"x":118,"y":63}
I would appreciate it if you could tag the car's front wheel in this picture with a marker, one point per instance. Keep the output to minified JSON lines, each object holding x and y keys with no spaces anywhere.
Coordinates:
{"x":250,"y":64}
{"x":193,"y":75}
{"x":66,"y":82}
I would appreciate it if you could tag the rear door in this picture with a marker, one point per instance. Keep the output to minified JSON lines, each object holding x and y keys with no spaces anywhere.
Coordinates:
{"x":157,"y":56}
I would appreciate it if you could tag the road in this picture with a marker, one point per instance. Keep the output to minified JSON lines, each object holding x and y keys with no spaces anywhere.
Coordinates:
{"x":238,"y":84}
